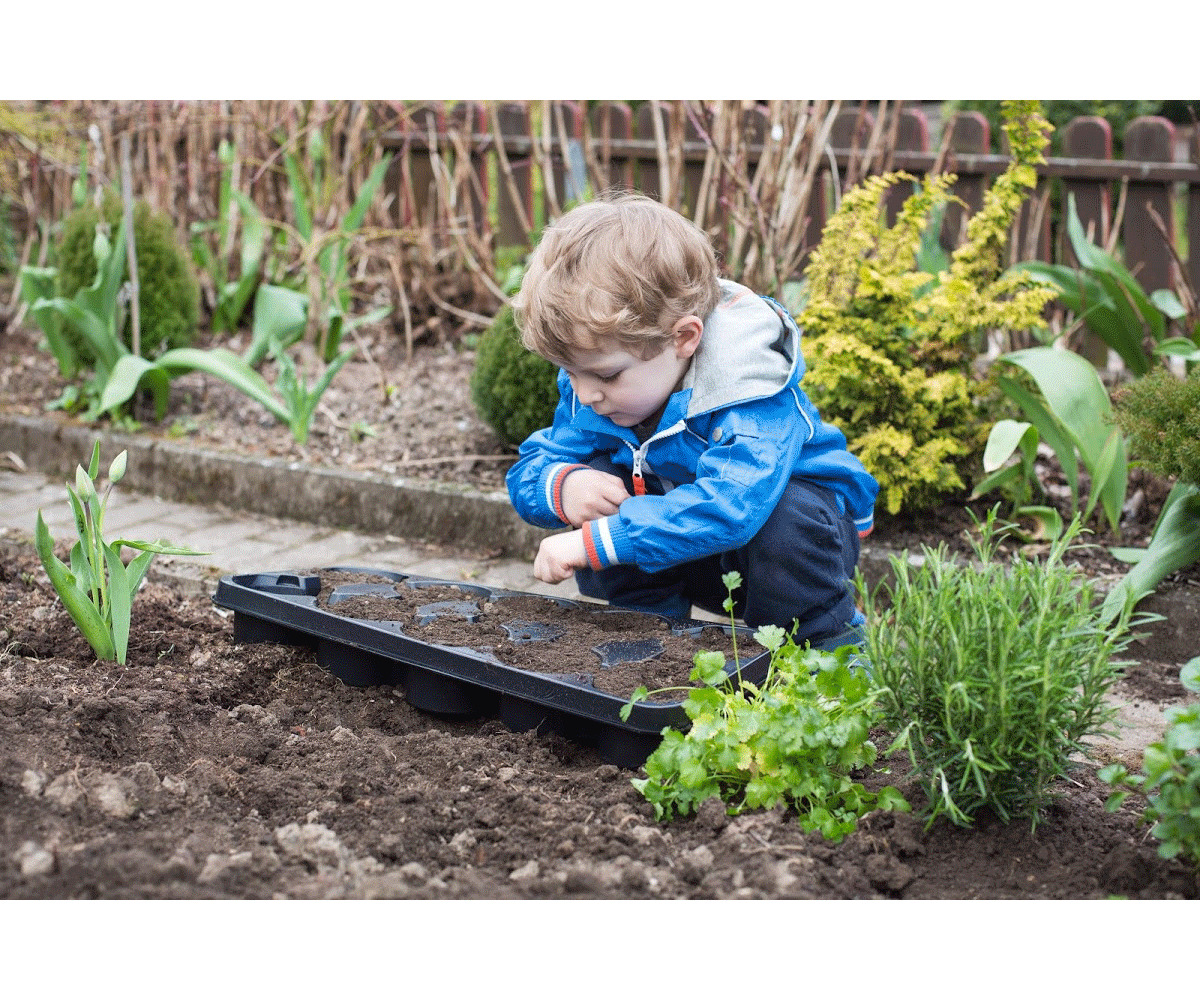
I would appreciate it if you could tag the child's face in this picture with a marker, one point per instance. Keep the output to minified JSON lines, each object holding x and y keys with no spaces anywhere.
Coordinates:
{"x":625,"y":388}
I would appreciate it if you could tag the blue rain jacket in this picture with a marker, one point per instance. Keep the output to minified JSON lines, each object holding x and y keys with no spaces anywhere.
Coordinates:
{"x":726,"y":445}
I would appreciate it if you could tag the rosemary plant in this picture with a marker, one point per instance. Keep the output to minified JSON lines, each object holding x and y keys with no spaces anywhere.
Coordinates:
{"x":991,"y":675}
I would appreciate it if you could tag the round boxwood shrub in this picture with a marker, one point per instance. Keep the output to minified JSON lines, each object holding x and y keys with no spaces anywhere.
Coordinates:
{"x":513,"y":389}
{"x":169,"y":297}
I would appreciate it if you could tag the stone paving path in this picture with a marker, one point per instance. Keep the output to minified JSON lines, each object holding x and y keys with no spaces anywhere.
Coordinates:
{"x":240,"y":542}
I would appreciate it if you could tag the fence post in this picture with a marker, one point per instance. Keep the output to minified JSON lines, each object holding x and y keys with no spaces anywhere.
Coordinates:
{"x":1193,"y":215}
{"x":513,"y":119}
{"x":646,"y":168}
{"x":969,"y":133}
{"x":611,"y":122}
{"x":851,"y":130}
{"x":1149,"y":139}
{"x":561,"y":158}
{"x":417,"y":172}
{"x":912,"y":136}
{"x":1087,"y":138}
{"x":469,"y":118}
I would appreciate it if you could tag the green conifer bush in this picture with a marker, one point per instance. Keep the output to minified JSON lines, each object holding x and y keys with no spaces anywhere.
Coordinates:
{"x":514,"y":390}
{"x":169,"y":296}
{"x":890,"y":346}
{"x":1161,"y":414}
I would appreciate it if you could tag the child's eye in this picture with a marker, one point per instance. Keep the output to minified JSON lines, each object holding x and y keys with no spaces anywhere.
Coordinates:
{"x":609,"y":378}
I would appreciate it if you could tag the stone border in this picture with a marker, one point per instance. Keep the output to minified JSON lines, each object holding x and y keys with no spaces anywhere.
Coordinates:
{"x":416,"y":509}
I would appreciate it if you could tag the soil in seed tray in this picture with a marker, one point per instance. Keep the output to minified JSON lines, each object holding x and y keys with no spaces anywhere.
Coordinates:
{"x":618,"y":650}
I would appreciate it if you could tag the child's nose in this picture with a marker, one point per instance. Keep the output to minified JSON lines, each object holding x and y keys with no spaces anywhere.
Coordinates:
{"x":588,"y":390}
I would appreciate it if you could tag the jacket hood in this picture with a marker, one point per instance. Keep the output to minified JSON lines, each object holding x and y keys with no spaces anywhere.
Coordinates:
{"x":750,"y":349}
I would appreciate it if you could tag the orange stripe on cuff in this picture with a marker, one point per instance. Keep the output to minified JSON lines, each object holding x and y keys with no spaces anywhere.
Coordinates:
{"x":557,"y":490}
{"x":589,"y":546}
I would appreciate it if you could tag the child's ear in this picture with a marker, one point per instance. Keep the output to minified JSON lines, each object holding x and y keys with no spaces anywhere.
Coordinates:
{"x":687,"y":332}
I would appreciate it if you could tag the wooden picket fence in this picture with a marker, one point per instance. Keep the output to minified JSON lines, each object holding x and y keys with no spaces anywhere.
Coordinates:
{"x":1136,"y":204}
{"x":473,"y":176}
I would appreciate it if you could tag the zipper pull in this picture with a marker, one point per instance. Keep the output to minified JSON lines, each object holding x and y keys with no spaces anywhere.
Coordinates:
{"x":639,"y":484}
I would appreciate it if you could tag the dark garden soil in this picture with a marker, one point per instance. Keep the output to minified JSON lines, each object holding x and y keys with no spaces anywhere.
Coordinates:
{"x":614,"y":651}
{"x":204,"y":768}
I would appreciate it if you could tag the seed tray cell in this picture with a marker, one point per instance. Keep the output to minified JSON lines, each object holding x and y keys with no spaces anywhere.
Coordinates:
{"x":466,"y":679}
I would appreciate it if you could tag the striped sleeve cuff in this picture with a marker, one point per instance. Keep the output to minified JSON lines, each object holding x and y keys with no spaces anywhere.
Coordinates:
{"x":554,"y":480}
{"x":605,"y":542}
{"x":865,"y":525}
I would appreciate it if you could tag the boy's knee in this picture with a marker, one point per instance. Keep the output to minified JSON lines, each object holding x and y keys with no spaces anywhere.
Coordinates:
{"x":800,"y":565}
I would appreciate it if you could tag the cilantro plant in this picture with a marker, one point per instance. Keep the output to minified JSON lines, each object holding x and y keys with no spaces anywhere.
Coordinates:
{"x":794,"y":739}
{"x":97,"y":589}
{"x":991,"y":675}
{"x":1170,"y":778}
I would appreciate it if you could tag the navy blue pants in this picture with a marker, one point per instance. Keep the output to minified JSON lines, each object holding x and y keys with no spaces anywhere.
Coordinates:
{"x":796,"y":570}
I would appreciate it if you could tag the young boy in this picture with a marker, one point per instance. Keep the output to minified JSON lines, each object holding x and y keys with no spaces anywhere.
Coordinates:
{"x":682,"y":445}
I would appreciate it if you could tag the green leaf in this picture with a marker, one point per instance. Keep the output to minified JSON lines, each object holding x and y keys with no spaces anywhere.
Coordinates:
{"x":118,"y":602}
{"x":229,"y":367}
{"x":254,"y":234}
{"x":300,"y":204}
{"x":101,"y":298}
{"x":1108,"y":481}
{"x":890,"y":799}
{"x":1179,"y":347}
{"x":1049,"y":520}
{"x":158,"y":548}
{"x":358,"y":210}
{"x":95,"y":331}
{"x":93,"y":469}
{"x":1005,"y":437}
{"x":130,"y":372}
{"x":1077,"y":398}
{"x":1117,"y":279}
{"x":280,"y":314}
{"x":1049,"y":427}
{"x":1168,"y":302}
{"x":78,"y":606}
{"x":39,"y":284}
{"x":135,"y":572}
{"x":1174,"y":544}
{"x":1189,"y":676}
{"x":1085,"y":250}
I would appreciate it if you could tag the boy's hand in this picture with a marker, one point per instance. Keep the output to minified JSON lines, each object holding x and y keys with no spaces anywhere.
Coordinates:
{"x":588,"y":494}
{"x":559,"y":556}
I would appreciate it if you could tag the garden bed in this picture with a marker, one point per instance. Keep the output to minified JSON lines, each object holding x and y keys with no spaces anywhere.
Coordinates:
{"x":210,"y":768}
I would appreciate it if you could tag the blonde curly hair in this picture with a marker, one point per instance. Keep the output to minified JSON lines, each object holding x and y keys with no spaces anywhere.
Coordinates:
{"x":621,"y":269}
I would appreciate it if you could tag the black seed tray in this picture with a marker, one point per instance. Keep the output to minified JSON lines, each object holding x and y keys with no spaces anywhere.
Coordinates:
{"x":460,"y":680}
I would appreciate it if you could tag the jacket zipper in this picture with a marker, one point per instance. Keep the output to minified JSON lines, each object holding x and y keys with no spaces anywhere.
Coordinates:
{"x":639,"y":455}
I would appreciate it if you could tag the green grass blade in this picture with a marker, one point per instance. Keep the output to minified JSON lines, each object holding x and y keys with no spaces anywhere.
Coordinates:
{"x":358,"y":211}
{"x":299,"y":197}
